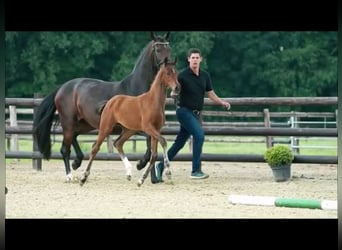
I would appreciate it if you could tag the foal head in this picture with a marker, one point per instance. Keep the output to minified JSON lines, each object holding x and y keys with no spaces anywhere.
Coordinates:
{"x":168,"y":75}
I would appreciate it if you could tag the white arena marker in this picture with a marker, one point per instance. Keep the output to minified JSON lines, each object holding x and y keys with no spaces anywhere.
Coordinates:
{"x":283,"y":202}
{"x":329,"y":205}
{"x":252,"y":200}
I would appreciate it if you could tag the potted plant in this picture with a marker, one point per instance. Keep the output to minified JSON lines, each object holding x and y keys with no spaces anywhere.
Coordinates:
{"x":279,"y":158}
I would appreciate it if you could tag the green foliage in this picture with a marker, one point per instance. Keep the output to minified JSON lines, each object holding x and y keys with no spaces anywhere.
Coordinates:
{"x":41,"y":61}
{"x":274,"y":63}
{"x":241,"y":64}
{"x":278,"y":155}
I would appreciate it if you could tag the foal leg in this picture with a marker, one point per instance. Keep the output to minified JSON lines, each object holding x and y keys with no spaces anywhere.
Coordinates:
{"x":142,"y":163}
{"x":96,"y":147}
{"x":163,"y":143}
{"x":118,"y":144}
{"x":154,"y":154}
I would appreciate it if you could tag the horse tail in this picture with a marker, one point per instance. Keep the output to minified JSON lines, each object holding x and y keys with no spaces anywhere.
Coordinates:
{"x":42,"y":123}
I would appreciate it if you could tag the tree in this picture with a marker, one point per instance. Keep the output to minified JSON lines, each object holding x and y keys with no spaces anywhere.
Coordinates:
{"x":240,"y":63}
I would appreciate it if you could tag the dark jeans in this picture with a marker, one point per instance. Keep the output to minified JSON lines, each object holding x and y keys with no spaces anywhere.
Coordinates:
{"x":189,"y":125}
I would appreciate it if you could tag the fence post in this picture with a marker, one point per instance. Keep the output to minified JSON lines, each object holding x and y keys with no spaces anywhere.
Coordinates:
{"x":134,"y":142}
{"x":294,"y":140}
{"x":267,"y":122}
{"x":36,"y":163}
{"x":13,"y":123}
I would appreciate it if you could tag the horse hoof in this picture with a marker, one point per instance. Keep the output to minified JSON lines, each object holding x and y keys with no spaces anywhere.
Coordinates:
{"x":168,"y":174}
{"x":76,"y":164}
{"x":140,"y":165}
{"x":69,"y":178}
{"x":82,"y":181}
{"x":129,"y":177}
{"x":140,"y":182}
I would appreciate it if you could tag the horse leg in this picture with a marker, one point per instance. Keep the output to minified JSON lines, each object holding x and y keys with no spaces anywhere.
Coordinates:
{"x":65,"y":151}
{"x":163,"y":143}
{"x":154,"y":154}
{"x":79,"y":155}
{"x":82,"y":127}
{"x":118,"y":144}
{"x":103,"y":133}
{"x":142,"y":163}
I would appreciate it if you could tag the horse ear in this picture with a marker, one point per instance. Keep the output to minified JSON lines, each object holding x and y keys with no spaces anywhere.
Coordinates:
{"x":154,"y":38}
{"x":166,"y":59}
{"x":167,"y":35}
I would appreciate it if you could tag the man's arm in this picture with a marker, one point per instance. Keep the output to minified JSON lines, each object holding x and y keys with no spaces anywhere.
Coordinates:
{"x":213,"y":97}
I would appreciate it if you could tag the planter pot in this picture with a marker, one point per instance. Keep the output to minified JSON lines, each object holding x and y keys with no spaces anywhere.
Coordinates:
{"x":281,"y":173}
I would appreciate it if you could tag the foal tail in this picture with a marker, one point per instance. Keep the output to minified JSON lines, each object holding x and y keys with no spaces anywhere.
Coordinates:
{"x":42,"y":123}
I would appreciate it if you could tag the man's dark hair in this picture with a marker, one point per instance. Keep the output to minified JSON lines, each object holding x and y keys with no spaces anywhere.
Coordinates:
{"x":194,"y":50}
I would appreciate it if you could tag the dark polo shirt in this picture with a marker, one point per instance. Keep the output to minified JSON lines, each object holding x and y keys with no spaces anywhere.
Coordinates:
{"x":193,"y":88}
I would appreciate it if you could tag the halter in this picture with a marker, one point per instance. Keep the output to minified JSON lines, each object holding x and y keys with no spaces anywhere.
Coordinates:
{"x":154,"y":51}
{"x":159,"y":43}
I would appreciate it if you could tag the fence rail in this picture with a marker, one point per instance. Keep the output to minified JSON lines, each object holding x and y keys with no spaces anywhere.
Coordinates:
{"x":314,"y":159}
{"x":328,"y":132}
{"x":265,"y":128}
{"x":241,"y":101}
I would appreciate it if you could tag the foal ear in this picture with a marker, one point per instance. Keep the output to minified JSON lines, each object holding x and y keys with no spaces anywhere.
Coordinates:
{"x":174,"y":62}
{"x":166,"y":59}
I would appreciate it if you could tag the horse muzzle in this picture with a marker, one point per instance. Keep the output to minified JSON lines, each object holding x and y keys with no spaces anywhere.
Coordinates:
{"x":175,"y":91}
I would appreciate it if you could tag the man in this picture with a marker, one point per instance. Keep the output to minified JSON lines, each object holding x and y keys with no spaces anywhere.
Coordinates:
{"x":195,"y":83}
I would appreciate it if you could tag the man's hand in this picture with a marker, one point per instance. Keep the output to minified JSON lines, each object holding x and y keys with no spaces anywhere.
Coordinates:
{"x":226,"y":105}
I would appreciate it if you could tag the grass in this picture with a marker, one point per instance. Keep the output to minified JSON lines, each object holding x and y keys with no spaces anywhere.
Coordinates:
{"x":222,"y":145}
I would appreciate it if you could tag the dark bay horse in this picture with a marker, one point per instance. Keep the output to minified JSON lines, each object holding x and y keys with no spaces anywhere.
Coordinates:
{"x":145,"y":112}
{"x":79,"y":103}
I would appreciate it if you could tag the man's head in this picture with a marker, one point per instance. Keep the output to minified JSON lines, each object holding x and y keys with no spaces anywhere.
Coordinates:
{"x":194,"y":57}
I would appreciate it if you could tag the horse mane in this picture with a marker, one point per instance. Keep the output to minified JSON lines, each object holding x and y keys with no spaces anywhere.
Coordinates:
{"x":146,"y":51}
{"x":156,"y":78}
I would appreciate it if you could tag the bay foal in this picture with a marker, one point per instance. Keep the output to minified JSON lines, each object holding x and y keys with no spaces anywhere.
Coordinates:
{"x":145,"y":112}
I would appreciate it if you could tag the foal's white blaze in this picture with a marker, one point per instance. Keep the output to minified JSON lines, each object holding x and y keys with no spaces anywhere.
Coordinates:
{"x":127,"y":164}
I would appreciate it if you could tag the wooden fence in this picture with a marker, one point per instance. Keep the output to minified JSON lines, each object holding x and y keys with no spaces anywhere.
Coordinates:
{"x":265,"y":128}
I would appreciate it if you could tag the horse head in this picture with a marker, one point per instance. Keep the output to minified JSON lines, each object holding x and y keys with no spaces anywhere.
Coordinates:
{"x":160,"y":47}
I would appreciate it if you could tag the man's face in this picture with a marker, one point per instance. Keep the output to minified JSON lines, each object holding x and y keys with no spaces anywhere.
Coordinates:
{"x":194,"y":60}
